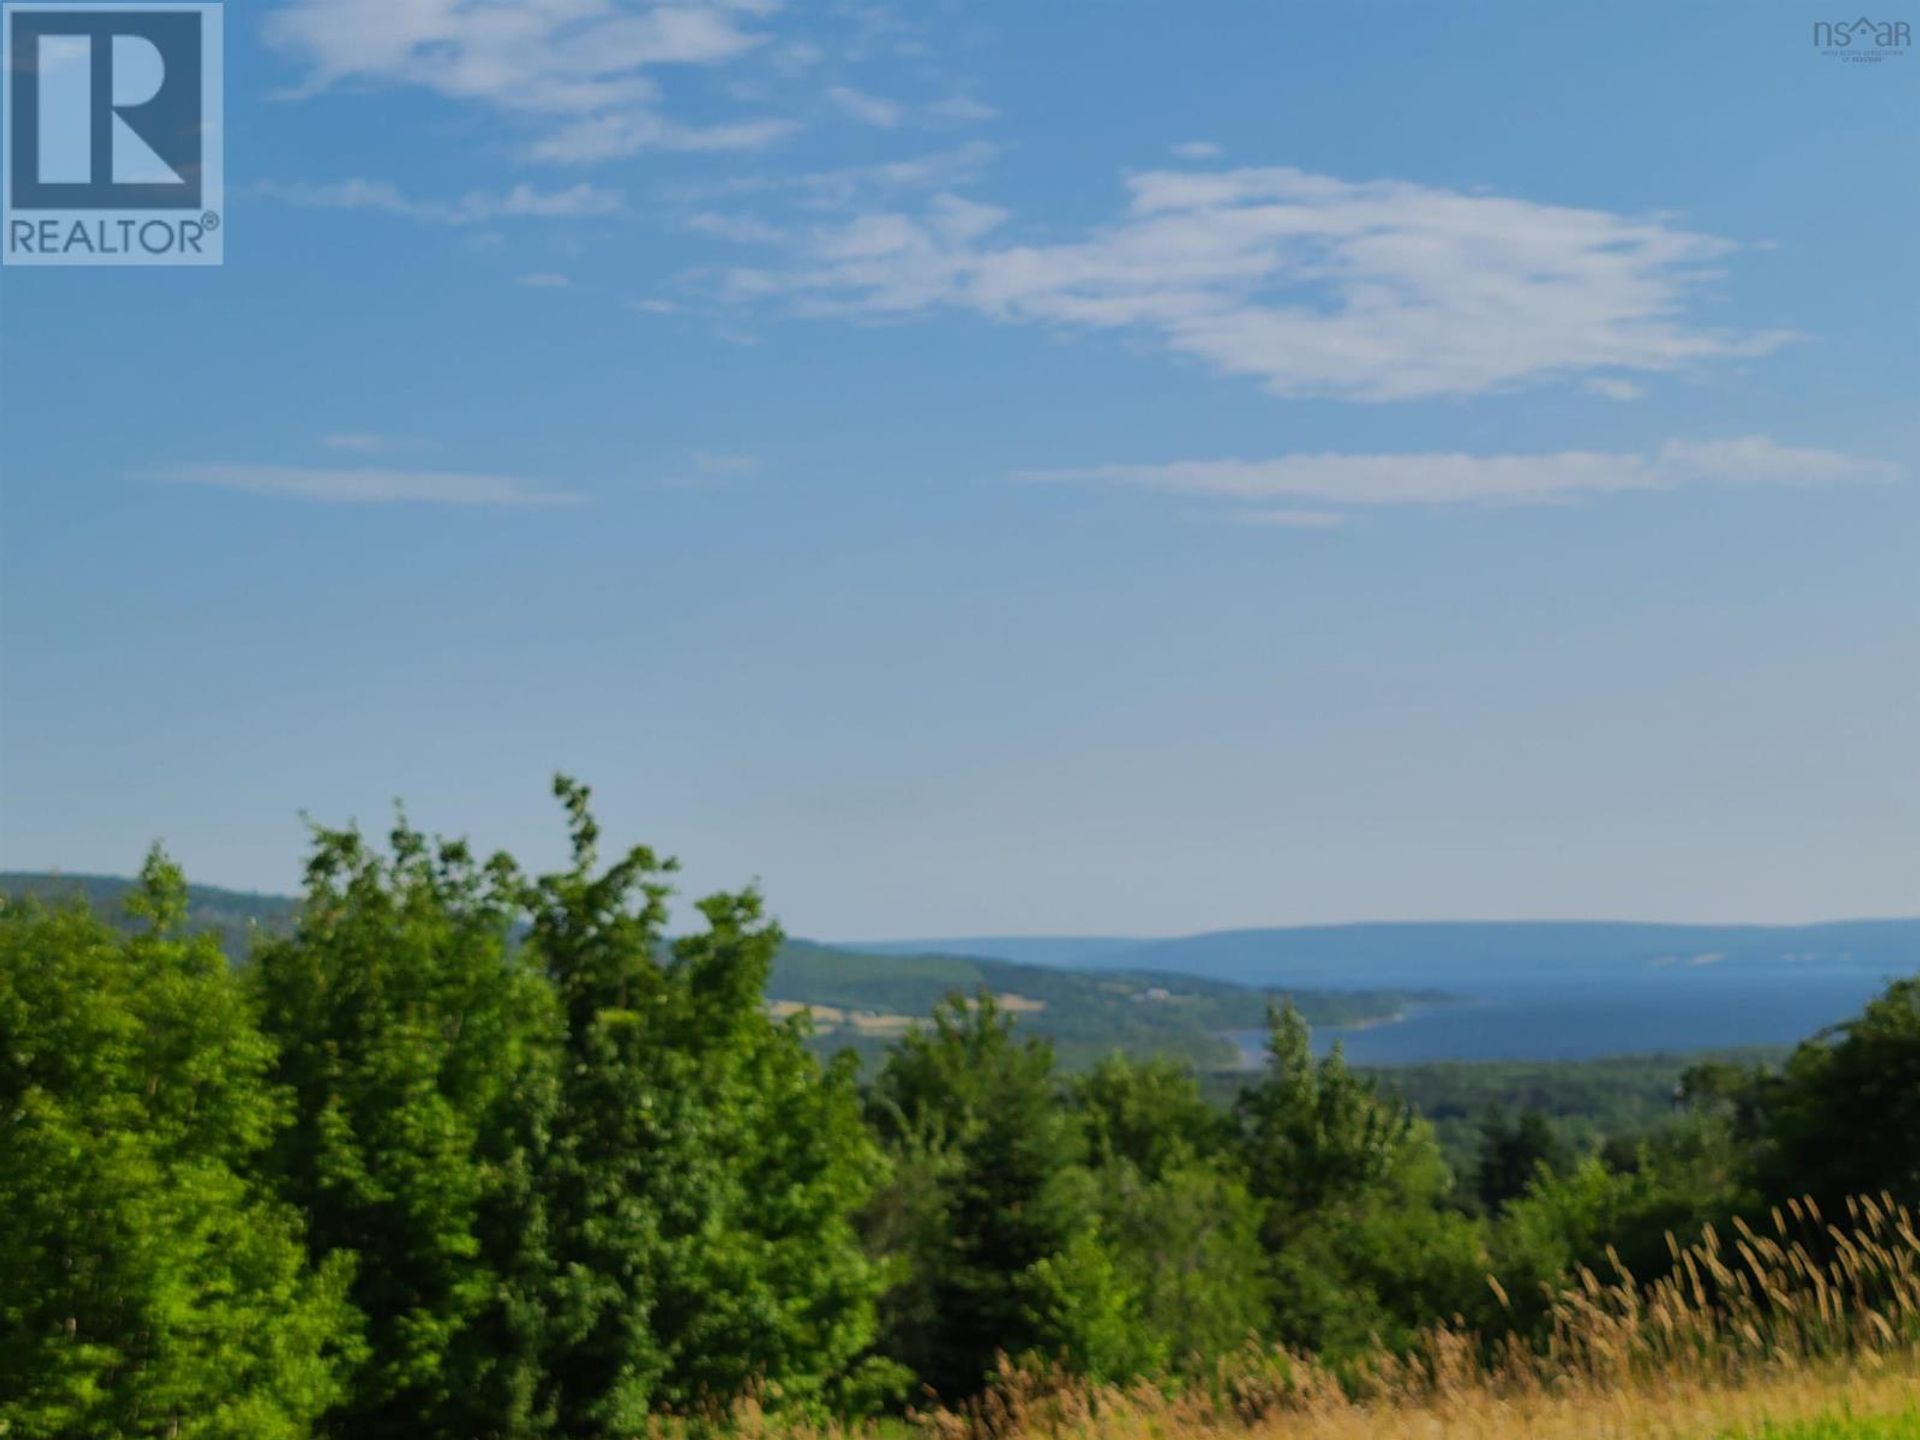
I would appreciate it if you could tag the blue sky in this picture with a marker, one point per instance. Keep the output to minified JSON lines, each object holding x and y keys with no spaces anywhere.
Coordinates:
{"x":1076,"y":467}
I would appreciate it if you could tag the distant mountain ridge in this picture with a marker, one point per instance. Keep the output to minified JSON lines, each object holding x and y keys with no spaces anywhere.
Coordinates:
{"x":864,"y":1000}
{"x":1455,"y":954}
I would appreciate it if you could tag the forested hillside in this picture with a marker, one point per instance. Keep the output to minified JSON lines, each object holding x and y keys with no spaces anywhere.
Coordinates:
{"x":862,"y":1001}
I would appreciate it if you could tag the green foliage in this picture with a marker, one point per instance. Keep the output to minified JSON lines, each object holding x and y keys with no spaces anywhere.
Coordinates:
{"x":1148,"y":1114}
{"x":1168,"y":1277}
{"x":973,"y":1114}
{"x":150,"y":1285}
{"x":1514,"y":1153}
{"x":1844,"y":1117}
{"x":1351,"y":1184}
{"x":419,"y":1053}
{"x":1181,"y":1279}
{"x":1595,"y":1215}
{"x":460,"y":1155}
{"x":1842,"y":1427}
{"x":1588,"y":1103}
{"x":1088,"y":1015}
{"x":704,"y":1172}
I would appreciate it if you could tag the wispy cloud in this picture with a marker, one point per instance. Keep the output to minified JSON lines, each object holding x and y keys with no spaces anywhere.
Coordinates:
{"x":1456,"y":479}
{"x":722,"y":464}
{"x":545,"y":280}
{"x":709,"y":469}
{"x":1615,"y":389}
{"x":1315,"y":286}
{"x":962,"y":110}
{"x":1196,"y":150}
{"x":850,"y":186}
{"x":522,"y":202}
{"x":867,"y":109}
{"x":368,"y":486}
{"x":366,"y":443}
{"x":578,"y":71}
{"x":1292,"y":519}
{"x":739,"y":228}
{"x":613,"y":137}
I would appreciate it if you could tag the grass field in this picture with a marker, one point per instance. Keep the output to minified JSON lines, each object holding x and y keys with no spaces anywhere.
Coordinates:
{"x":1845,"y":1424}
{"x":1799,"y":1330}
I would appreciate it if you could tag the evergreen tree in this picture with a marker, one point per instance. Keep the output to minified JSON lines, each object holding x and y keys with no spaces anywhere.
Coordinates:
{"x":150,"y":1285}
{"x":977,"y":1113}
{"x":1513,"y":1153}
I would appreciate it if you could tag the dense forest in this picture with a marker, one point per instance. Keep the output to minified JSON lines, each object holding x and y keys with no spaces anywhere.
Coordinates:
{"x":467,"y":1152}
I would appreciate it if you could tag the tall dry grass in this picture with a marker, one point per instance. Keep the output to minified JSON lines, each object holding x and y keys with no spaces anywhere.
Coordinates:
{"x":1796,"y":1319}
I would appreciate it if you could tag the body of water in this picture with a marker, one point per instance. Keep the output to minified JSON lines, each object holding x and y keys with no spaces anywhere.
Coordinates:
{"x":1678,"y":1009}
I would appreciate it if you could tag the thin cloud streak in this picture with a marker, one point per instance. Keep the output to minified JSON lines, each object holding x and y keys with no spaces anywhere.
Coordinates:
{"x":1460,"y":479}
{"x":522,"y":202}
{"x":369,"y":486}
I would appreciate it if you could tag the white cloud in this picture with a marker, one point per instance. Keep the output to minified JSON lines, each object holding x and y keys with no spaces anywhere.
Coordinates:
{"x":613,"y":137}
{"x":1453,"y":479}
{"x":850,"y":185}
{"x":741,"y":229}
{"x":867,"y":109}
{"x":368,"y":486}
{"x":1615,"y":389}
{"x":1383,"y":290}
{"x":361,"y":444}
{"x":1196,"y":150}
{"x":578,"y":69}
{"x":523,"y":202}
{"x":1293,"y":519}
{"x":708,"y":468}
{"x":962,"y":110}
{"x":721,"y":464}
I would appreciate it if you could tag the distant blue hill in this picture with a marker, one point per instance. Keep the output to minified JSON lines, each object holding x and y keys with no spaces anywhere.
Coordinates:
{"x":1071,"y":951}
{"x":1457,"y":955}
{"x":1537,"y":990}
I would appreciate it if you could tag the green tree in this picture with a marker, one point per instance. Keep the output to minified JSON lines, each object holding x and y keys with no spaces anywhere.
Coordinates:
{"x":704,"y":1173}
{"x":418,"y":1049}
{"x":1352,"y":1186}
{"x":1592,"y":1213}
{"x":1843,"y":1119}
{"x":1512,"y":1153}
{"x":976,"y":1117}
{"x":1182,"y":1281}
{"x":1179,"y":1278}
{"x":1148,"y":1113}
{"x":149,"y":1284}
